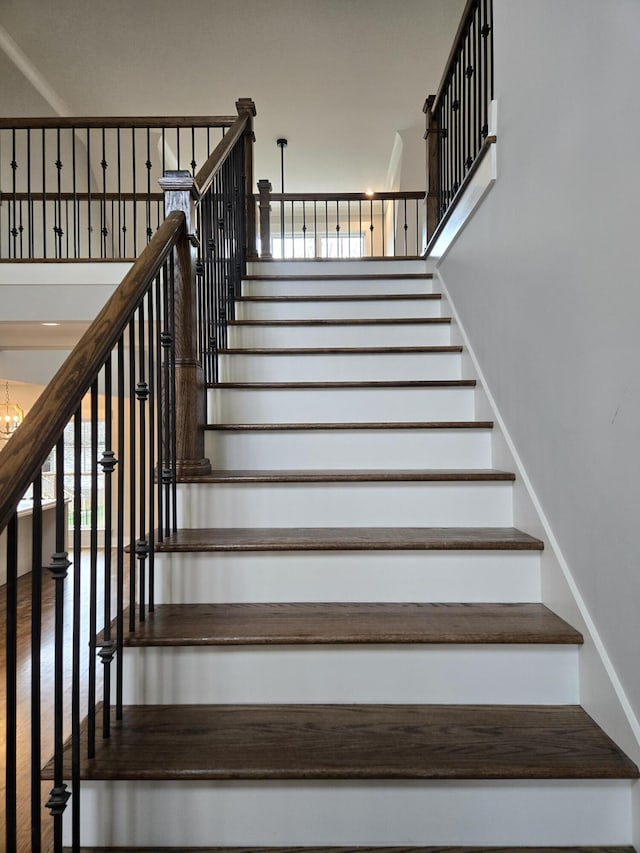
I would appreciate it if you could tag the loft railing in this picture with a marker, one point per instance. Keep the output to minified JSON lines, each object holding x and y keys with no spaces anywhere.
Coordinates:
{"x":340,"y":225}
{"x":138,"y":370}
{"x":458,"y":115}
{"x":87,"y":187}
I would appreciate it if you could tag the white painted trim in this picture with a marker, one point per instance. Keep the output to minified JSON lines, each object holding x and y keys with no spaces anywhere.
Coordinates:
{"x":589,"y":625}
{"x":33,"y":75}
{"x":472,"y":198}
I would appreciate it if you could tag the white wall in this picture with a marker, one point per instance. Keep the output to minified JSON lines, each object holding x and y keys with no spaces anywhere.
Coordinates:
{"x":545,"y":279}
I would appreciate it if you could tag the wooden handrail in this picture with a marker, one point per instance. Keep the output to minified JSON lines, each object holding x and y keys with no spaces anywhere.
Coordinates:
{"x":453,"y":53}
{"x":210,"y":169}
{"x":43,"y":425}
{"x":96,"y":195}
{"x":378,"y":196}
{"x":22,"y":123}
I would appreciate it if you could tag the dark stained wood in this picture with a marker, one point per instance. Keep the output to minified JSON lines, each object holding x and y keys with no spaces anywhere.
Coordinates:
{"x":220,"y":153}
{"x":373,"y":321}
{"x":264,"y":204}
{"x":453,"y":53}
{"x":374,"y":383}
{"x":355,"y":742}
{"x":340,"y":350}
{"x":96,"y":196}
{"x":312,"y":623}
{"x":413,"y":475}
{"x":28,"y":448}
{"x":190,"y":390}
{"x":401,"y":276}
{"x":190,"y":400}
{"x":341,"y":297}
{"x":351,"y":539}
{"x":433,"y":167}
{"x":349,"y":426}
{"x":245,"y":106}
{"x":355,"y":475}
{"x":23,"y":123}
{"x":359,"y":849}
{"x":378,"y":196}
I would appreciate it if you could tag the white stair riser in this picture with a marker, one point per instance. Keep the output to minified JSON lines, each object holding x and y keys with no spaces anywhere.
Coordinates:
{"x":447,"y":674}
{"x":368,"y":576}
{"x":339,"y":267}
{"x":349,"y":367}
{"x":288,"y":449}
{"x":405,"y":335}
{"x":431,"y":504}
{"x":360,"y":309}
{"x":339,"y":287}
{"x":509,"y":813}
{"x":339,"y":405}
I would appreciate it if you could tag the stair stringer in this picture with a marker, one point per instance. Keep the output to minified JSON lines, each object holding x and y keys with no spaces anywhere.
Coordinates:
{"x":602,"y":694}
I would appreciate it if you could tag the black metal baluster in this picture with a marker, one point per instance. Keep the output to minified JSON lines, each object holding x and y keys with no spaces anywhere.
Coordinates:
{"x":485,"y":71}
{"x":121,"y":228}
{"x":36,"y":662}
{"x":58,"y":232}
{"x":405,"y":227}
{"x":383,"y":223}
{"x":30,"y":213}
{"x":193,"y":152}
{"x":394,"y":222}
{"x":149,"y":229}
{"x":93,"y":574}
{"x":178,"y":147}
{"x":59,"y":567}
{"x":371,"y":225}
{"x":120,"y":528}
{"x":135,"y":195}
{"x":166,"y":341}
{"x":89,"y":226}
{"x":132,"y":476}
{"x":13,"y":217}
{"x":44,"y":194}
{"x":108,"y":463}
{"x":11,"y":728}
{"x":142,"y":395}
{"x":113,"y":230}
{"x":103,"y":207}
{"x":75,"y":666}
{"x":76,"y":208}
{"x":174,"y":432}
{"x":152,"y":444}
{"x":160,"y":399}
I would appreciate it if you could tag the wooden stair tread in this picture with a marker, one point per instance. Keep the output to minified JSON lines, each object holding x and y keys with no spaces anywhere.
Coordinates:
{"x":353,"y":742}
{"x":355,"y":475}
{"x":340,"y":350}
{"x":394,"y":276}
{"x":375,"y":383}
{"x":343,"y":297}
{"x":402,"y":425}
{"x":358,"y":849}
{"x":372,"y":321}
{"x":350,"y":539}
{"x":323,"y":623}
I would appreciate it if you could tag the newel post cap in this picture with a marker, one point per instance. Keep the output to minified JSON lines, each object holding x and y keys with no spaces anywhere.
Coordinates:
{"x":246,"y":105}
{"x":176,"y":180}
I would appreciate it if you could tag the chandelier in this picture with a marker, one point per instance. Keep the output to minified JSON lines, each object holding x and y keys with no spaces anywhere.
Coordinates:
{"x":11,"y":416}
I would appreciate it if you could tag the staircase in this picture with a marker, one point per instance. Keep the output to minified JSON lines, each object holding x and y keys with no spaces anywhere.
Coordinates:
{"x":350,"y":646}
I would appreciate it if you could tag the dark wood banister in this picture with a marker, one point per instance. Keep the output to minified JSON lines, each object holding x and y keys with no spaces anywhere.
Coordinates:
{"x":453,"y":53}
{"x":81,"y":122}
{"x":384,"y":196}
{"x":28,"y":448}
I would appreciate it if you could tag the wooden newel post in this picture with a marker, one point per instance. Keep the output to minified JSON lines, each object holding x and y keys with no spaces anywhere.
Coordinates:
{"x":432,"y":134}
{"x":246,"y":105}
{"x":264,"y":201}
{"x":190,"y":387}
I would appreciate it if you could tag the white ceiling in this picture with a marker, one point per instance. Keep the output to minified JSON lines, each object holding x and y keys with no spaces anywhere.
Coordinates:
{"x":338,"y":78}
